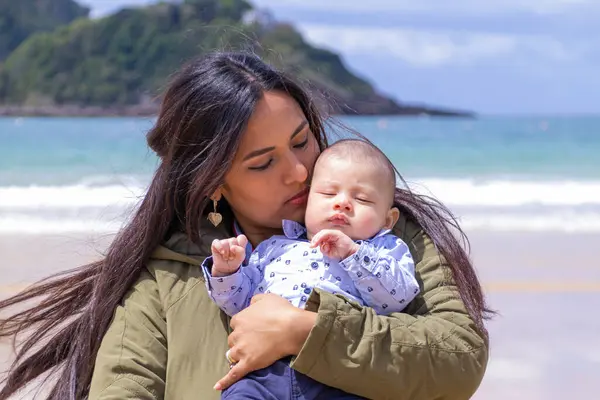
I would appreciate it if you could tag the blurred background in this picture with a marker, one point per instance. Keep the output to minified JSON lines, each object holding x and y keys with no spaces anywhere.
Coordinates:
{"x":493,"y":107}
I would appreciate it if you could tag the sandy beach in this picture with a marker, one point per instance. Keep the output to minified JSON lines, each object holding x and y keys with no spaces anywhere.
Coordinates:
{"x":544,"y":343}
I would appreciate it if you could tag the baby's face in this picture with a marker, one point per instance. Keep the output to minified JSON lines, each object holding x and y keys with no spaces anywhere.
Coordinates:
{"x":351,"y":197}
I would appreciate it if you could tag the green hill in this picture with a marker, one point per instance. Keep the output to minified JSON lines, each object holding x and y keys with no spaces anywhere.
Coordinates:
{"x":118,"y":64}
{"x":19,"y":19}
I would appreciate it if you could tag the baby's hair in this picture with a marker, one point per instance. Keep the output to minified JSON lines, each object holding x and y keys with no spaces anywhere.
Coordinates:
{"x":362,"y":151}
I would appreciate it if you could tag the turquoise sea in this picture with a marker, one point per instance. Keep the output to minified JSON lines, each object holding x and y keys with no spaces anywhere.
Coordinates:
{"x":496,"y":173}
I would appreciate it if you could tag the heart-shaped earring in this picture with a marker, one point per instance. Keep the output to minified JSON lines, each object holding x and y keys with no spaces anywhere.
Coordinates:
{"x":214,"y":217}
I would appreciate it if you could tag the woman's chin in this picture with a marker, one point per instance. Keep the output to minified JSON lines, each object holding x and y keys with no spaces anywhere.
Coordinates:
{"x":296,"y":214}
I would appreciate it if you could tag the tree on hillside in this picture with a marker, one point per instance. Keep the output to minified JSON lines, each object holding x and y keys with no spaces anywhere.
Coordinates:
{"x":21,"y":18}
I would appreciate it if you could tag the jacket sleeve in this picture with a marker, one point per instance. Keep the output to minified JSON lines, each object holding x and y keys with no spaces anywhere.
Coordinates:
{"x":131,"y":362}
{"x":433,"y":351}
{"x":383,"y":272}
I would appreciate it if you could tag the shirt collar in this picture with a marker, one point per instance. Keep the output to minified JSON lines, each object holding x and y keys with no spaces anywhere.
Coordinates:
{"x":382,"y":232}
{"x":293,"y":229}
{"x":236,"y":229}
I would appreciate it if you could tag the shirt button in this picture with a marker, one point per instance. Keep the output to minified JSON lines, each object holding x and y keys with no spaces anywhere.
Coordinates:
{"x":367,"y":259}
{"x":307,"y":291}
{"x":314,"y":265}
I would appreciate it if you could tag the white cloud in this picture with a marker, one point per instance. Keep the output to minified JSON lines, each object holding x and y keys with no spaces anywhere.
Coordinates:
{"x":103,"y":7}
{"x":433,"y":6}
{"x":438,"y":7}
{"x":435,"y":48}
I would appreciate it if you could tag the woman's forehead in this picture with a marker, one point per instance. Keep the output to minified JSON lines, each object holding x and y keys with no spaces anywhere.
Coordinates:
{"x":275,"y":118}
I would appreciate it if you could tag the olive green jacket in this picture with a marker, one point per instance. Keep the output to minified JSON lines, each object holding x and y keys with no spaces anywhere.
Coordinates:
{"x":168,"y":339}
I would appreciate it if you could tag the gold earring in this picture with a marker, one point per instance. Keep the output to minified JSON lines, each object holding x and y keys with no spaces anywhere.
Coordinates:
{"x":214,"y":217}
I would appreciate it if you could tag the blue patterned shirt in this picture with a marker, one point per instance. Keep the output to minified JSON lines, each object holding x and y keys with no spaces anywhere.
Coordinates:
{"x":379,"y":275}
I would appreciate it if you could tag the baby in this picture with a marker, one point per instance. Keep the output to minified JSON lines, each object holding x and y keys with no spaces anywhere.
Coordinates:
{"x":345,"y":248}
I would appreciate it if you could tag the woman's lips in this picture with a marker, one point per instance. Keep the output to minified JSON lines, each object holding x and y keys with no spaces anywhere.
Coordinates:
{"x":299,"y":198}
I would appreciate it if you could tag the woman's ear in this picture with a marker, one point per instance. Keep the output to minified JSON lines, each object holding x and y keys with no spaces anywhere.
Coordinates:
{"x":392,"y":217}
{"x":216,"y":196}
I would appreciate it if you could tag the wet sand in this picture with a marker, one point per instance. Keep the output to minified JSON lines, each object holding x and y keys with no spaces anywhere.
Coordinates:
{"x":545,"y":344}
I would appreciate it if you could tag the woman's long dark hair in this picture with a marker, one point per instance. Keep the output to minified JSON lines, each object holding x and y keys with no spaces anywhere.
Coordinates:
{"x":203,"y":115}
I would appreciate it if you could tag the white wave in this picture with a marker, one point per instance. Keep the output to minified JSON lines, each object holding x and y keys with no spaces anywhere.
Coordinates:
{"x":75,"y":196}
{"x":491,"y":222}
{"x":493,"y":205}
{"x":509,"y":193}
{"x":125,"y":191}
{"x":37,"y":225}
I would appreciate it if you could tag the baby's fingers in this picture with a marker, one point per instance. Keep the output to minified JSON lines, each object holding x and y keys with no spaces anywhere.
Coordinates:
{"x":225,"y":249}
{"x":242,"y":241}
{"x":217,"y":247}
{"x":320,"y":237}
{"x":238,"y":253}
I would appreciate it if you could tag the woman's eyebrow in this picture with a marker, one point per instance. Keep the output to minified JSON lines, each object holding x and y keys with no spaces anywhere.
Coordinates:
{"x":260,"y":152}
{"x":299,"y":129}
{"x":257,"y":153}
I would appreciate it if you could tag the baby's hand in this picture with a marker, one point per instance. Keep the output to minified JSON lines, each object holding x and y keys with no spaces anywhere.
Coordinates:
{"x":228,"y":255}
{"x":334,"y":244}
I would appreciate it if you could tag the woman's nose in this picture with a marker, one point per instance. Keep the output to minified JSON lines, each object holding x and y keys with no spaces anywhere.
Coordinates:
{"x":298,"y":171}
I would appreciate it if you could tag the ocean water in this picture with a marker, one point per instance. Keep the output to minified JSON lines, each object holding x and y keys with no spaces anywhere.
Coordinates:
{"x":494,"y":173}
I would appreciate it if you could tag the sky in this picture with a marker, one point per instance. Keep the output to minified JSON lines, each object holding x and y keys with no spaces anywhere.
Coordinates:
{"x":489,"y":56}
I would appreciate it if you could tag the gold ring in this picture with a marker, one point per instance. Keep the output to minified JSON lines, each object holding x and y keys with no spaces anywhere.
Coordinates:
{"x":228,"y":357}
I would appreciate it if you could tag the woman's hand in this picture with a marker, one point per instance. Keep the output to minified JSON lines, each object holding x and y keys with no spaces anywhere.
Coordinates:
{"x":266,"y":331}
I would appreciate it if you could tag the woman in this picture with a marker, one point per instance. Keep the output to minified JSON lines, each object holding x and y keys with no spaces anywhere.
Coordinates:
{"x":237,"y":142}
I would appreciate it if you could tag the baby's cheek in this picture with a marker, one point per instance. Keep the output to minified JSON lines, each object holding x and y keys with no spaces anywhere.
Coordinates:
{"x":369,"y":224}
{"x":312,"y":221}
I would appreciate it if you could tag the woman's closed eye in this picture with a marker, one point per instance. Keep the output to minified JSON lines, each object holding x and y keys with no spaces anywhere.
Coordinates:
{"x":301,"y":145}
{"x":266,"y":165}
{"x":263,"y":166}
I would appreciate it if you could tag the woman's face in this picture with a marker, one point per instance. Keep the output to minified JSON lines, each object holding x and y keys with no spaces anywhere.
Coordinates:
{"x":270,"y":173}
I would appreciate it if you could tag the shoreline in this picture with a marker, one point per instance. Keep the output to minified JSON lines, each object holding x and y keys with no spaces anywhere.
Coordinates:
{"x":152,"y":110}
